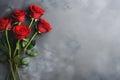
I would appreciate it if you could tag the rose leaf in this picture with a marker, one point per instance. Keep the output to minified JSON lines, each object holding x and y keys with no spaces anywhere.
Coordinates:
{"x":25,"y":60}
{"x":32,"y":52}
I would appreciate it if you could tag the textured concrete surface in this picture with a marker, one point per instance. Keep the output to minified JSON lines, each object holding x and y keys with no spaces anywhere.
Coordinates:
{"x":83,"y":45}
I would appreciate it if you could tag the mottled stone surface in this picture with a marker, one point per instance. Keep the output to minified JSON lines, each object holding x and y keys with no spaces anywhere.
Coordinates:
{"x":83,"y":45}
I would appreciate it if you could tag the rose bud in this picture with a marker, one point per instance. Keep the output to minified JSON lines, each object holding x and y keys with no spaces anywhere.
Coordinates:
{"x":36,"y":11}
{"x":5,"y":23}
{"x":43,"y":26}
{"x":19,"y":15}
{"x":21,"y":31}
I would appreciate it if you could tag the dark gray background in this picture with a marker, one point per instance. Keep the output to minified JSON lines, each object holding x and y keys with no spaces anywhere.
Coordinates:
{"x":83,"y":45}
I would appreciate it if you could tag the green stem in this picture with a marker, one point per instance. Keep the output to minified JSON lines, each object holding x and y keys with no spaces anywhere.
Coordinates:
{"x":16,"y":65}
{"x":9,"y":50}
{"x":17,"y":48}
{"x":29,"y":42}
{"x":19,"y":76}
{"x":11,"y":66}
{"x":8,"y":43}
{"x":17,"y":44}
{"x":31,"y":22}
{"x":17,"y":72}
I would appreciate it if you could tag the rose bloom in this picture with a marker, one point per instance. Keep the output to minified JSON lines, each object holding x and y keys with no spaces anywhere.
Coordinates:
{"x":36,"y":11}
{"x":5,"y":23}
{"x":21,"y":31}
{"x":19,"y":15}
{"x":43,"y":26}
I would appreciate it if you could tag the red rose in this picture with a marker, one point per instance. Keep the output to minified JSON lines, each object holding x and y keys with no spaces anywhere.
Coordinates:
{"x":36,"y":11}
{"x":43,"y":26}
{"x":21,"y":31}
{"x":19,"y":15}
{"x":5,"y":23}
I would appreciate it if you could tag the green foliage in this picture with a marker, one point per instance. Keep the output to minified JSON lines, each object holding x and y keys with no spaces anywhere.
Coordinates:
{"x":32,"y":52}
{"x":33,"y":43}
{"x":26,"y":61}
{"x":3,"y":58}
{"x":17,"y":58}
{"x":24,"y":43}
{"x":3,"y":44}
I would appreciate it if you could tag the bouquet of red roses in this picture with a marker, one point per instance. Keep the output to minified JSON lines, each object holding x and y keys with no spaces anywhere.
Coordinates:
{"x":17,"y":38}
